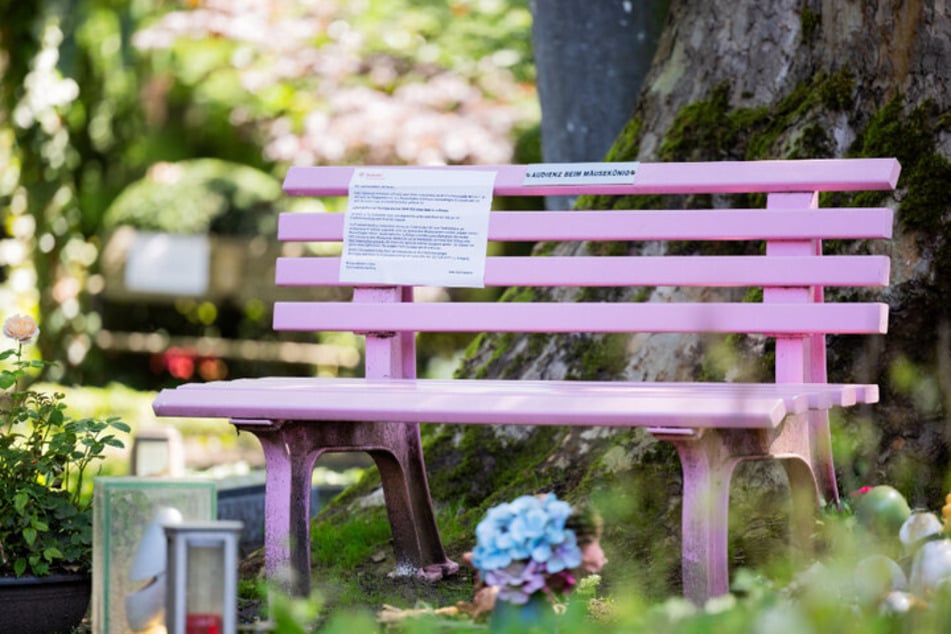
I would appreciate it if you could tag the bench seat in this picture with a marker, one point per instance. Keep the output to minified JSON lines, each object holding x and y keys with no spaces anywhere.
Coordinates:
{"x":510,"y":402}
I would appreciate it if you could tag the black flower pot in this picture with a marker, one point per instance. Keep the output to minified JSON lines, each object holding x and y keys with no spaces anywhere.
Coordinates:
{"x":44,"y":605}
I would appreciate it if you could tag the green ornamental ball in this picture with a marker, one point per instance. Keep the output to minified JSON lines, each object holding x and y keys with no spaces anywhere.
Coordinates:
{"x":882,"y":510}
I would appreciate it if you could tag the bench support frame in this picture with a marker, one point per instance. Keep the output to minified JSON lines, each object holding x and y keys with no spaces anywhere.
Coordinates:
{"x":708,"y":458}
{"x":290,"y":450}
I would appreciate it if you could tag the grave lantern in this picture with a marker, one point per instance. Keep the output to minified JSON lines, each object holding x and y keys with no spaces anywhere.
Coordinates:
{"x":129,"y":555}
{"x":158,"y":451}
{"x":202,"y":594}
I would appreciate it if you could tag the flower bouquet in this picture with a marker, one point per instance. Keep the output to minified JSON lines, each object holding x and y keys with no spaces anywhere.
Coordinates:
{"x":527,"y":552}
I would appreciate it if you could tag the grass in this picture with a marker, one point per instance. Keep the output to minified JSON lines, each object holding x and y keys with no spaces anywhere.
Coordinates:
{"x":832,"y":590}
{"x":350,"y":543}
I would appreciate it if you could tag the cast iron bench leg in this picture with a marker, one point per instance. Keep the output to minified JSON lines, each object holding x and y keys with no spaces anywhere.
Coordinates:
{"x":805,"y":494}
{"x":822,"y":464}
{"x":409,"y":506}
{"x":290,"y":450}
{"x":707,"y":468}
{"x":289,"y":460}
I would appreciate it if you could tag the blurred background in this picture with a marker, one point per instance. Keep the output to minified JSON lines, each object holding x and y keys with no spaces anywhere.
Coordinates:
{"x":127,"y":119}
{"x":142,"y":147}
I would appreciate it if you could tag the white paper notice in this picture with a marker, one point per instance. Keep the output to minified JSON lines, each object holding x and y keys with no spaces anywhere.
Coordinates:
{"x":417,"y":227}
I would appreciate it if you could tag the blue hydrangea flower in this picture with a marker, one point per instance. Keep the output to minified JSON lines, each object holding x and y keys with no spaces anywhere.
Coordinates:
{"x":519,"y":542}
{"x":518,"y":581}
{"x":565,"y":555}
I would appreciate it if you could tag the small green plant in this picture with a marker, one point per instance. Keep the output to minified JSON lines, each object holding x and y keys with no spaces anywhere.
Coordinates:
{"x":45,"y":513}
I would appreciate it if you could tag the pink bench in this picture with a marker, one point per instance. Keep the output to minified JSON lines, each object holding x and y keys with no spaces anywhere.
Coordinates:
{"x":712,"y":425}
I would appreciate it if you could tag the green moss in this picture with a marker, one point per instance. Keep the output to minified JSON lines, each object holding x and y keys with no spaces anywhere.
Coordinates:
{"x":943,"y":124}
{"x":601,"y":357}
{"x":711,"y":128}
{"x":836,"y":91}
{"x":810,"y":21}
{"x":477,"y":468}
{"x":643,"y":294}
{"x":518,"y":294}
{"x":536,"y":343}
{"x":346,"y":543}
{"x":910,"y":137}
{"x":926,"y":203}
{"x":472,"y":367}
{"x":475,"y":344}
{"x":610,"y":248}
{"x":892,"y":132}
{"x":814,"y":141}
{"x":701,"y":130}
{"x":627,"y":145}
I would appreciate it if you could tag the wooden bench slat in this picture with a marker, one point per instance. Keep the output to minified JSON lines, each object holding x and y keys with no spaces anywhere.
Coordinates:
{"x":777,"y":319}
{"x":687,"y":224}
{"x":656,"y":178}
{"x":724,"y":405}
{"x":721,"y":271}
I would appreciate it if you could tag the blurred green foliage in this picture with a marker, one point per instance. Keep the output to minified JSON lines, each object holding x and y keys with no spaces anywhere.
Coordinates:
{"x":97,"y":96}
{"x":199,"y":196}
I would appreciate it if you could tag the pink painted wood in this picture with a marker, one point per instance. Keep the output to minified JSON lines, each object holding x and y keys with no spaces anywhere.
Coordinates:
{"x":671,"y":270}
{"x":714,"y":426}
{"x":687,"y":224}
{"x":658,"y":178}
{"x":790,"y":319}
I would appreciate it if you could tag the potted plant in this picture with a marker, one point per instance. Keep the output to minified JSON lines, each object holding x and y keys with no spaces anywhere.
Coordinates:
{"x":45,"y":509}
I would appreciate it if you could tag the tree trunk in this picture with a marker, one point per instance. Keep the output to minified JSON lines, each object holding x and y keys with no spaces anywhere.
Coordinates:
{"x":756,"y":79}
{"x":591,"y":59}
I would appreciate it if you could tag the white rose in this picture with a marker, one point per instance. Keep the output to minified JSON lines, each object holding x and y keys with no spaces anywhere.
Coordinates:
{"x":22,"y":328}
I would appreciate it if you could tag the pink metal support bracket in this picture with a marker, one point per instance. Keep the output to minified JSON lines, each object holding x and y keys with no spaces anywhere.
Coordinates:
{"x":708,"y":459}
{"x":290,"y":451}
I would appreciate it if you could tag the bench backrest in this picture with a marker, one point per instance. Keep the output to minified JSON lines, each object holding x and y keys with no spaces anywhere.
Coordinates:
{"x":789,"y":268}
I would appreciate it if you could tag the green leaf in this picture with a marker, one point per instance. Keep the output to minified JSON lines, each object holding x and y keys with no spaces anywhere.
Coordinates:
{"x":6,"y":354}
{"x":39,"y":524}
{"x":29,"y":535}
{"x":19,"y":501}
{"x":7,"y":379}
{"x":19,"y":567}
{"x":52,"y":553}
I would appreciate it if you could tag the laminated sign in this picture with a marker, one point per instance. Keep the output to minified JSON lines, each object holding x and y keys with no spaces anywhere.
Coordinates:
{"x":417,"y":227}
